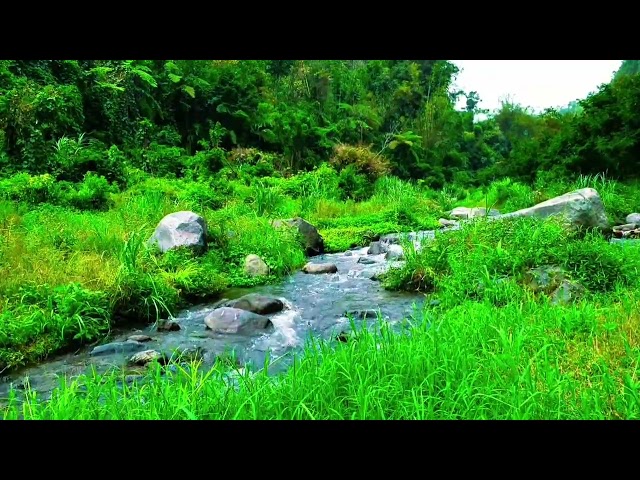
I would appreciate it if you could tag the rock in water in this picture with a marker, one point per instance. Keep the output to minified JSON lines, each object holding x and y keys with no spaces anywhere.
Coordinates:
{"x":139,"y":338}
{"x":361,"y":314}
{"x":254,"y":266}
{"x":366,"y":261}
{"x":117,"y":347}
{"x":235,"y":320}
{"x":313,"y":241}
{"x":394,"y":252}
{"x":168,"y":326}
{"x":180,"y":229}
{"x":376,"y":248}
{"x":320,"y":268}
{"x":256,"y":303}
{"x":148,"y":356}
{"x":581,"y":208}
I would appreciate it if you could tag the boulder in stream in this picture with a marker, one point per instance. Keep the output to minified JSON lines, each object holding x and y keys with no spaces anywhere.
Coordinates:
{"x":256,"y":303}
{"x":316,"y":268}
{"x":464,"y":213}
{"x":117,"y":347}
{"x":394,"y":252}
{"x":147,"y":356}
{"x":234,"y":320}
{"x":376,"y":248}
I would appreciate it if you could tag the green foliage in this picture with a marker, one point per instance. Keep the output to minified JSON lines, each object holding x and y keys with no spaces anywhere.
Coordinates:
{"x":475,"y":261}
{"x":57,"y":316}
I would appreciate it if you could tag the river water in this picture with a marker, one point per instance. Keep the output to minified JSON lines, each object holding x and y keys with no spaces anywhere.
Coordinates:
{"x":315,"y":305}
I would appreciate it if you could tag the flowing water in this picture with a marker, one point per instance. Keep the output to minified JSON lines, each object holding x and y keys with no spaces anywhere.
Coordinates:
{"x":315,"y":304}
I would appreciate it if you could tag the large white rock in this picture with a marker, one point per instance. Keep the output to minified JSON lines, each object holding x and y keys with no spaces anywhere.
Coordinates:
{"x":180,"y":229}
{"x":582,"y":207}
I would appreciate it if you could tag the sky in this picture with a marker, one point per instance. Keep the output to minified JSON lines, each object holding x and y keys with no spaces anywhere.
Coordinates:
{"x":538,"y":84}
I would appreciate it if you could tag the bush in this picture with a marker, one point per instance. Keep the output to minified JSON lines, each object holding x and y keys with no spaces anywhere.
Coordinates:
{"x":91,"y":194}
{"x":23,"y":187}
{"x":362,"y":159}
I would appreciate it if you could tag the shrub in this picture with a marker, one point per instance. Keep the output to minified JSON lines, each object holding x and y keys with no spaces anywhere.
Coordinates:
{"x":362,"y":159}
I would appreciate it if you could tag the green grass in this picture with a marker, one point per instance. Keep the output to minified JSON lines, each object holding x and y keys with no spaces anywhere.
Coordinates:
{"x":492,"y":349}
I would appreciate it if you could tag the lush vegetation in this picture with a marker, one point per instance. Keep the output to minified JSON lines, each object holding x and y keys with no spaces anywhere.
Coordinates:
{"x":94,"y":153}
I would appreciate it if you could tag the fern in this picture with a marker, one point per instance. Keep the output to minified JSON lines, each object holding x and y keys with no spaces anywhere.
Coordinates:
{"x":190,"y":91}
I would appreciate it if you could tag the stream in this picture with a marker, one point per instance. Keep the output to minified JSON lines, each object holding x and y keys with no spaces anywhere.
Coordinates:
{"x":314,"y":304}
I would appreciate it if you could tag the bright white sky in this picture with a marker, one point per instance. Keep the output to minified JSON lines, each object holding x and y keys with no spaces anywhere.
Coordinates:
{"x":538,"y":84}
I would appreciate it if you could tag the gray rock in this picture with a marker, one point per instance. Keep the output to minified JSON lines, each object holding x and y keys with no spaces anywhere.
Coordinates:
{"x":447,"y":223}
{"x":348,"y":253}
{"x":312,"y":240}
{"x":464,"y":213}
{"x":625,"y":228}
{"x":316,"y":268}
{"x":544,"y":279}
{"x":234,"y":320}
{"x":366,"y":261}
{"x":581,"y":208}
{"x":254,"y":266}
{"x":568,"y":291}
{"x":180,"y":229}
{"x":188,"y":354}
{"x":117,"y":347}
{"x":168,"y":326}
{"x":390,"y":239}
{"x":376,"y":248}
{"x":148,"y":356}
{"x":633,"y":218}
{"x":394,"y":252}
{"x":139,"y":338}
{"x":461,"y":213}
{"x":256,"y":303}
{"x":361,"y":314}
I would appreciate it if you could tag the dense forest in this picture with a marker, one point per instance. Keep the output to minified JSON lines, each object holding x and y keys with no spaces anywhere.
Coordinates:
{"x":187,"y":118}
{"x":94,"y":153}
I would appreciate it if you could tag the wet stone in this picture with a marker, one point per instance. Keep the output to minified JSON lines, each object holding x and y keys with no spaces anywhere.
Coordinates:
{"x":362,"y":314}
{"x":148,"y":356}
{"x":170,"y":326}
{"x":366,"y":261}
{"x":117,"y":347}
{"x":139,"y":338}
